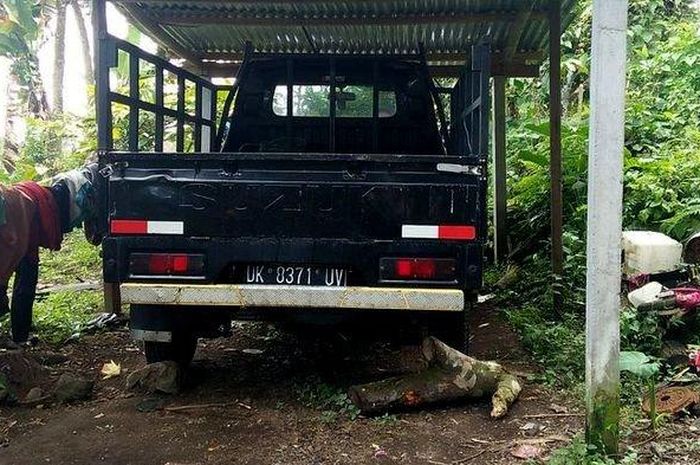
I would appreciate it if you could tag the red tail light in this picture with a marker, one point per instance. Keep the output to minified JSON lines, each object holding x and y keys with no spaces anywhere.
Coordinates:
{"x":166,"y":264}
{"x":417,"y":269}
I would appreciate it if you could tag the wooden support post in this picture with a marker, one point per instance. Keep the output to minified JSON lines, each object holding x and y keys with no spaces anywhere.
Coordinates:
{"x":555,"y":170}
{"x":605,"y":165}
{"x":102,"y":56}
{"x":112,"y":298}
{"x":105,"y":56}
{"x":500,"y":233}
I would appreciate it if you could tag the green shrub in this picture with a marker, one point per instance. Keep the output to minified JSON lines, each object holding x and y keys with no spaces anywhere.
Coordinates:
{"x":578,"y":453}
{"x":640,"y":331}
{"x":77,"y":261}
{"x":558,"y":346}
{"x":661,"y":179}
{"x":332,"y":401}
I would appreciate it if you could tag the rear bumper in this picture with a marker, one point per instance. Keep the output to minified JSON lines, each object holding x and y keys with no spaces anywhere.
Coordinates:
{"x":249,"y":295}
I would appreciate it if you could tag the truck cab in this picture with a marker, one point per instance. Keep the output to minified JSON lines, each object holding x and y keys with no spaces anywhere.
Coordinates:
{"x":315,"y":184}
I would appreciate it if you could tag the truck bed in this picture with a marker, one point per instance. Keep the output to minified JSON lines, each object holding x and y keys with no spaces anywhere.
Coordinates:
{"x":336,"y":209}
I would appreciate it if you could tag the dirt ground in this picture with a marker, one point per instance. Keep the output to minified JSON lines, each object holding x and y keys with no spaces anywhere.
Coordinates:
{"x":270,"y":408}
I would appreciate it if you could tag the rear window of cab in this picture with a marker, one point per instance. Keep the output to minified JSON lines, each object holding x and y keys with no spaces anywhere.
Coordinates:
{"x":352,"y":101}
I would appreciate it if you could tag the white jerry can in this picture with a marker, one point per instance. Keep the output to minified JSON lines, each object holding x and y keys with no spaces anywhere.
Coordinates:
{"x":649,"y":252}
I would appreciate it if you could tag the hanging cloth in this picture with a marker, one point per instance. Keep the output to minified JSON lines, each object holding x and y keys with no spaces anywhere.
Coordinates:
{"x":47,"y":231}
{"x":79,"y":186}
{"x":14,"y":234}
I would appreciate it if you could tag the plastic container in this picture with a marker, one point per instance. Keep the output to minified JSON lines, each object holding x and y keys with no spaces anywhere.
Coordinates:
{"x":645,"y":294}
{"x":649,"y":252}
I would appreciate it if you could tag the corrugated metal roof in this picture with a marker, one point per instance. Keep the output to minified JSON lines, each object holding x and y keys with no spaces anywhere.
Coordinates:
{"x":217,"y":30}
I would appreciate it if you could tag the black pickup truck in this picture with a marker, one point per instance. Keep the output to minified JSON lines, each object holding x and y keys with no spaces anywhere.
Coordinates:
{"x":315,"y":184}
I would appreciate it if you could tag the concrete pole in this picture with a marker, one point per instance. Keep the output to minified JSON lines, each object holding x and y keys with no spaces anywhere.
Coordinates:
{"x":605,"y":223}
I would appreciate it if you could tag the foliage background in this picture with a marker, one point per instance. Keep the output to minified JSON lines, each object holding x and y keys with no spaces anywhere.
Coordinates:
{"x":661,"y":180}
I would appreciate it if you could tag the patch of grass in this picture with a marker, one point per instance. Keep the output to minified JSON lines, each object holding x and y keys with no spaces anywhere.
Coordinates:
{"x":63,"y":314}
{"x":492,"y":274}
{"x":332,"y":401}
{"x":77,"y":261}
{"x":385,"y":420}
{"x":60,"y":315}
{"x":329,"y":416}
{"x":578,"y":453}
{"x":558,"y":346}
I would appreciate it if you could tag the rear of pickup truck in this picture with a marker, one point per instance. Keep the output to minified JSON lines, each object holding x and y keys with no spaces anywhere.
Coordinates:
{"x":387,"y":219}
{"x":291,"y":232}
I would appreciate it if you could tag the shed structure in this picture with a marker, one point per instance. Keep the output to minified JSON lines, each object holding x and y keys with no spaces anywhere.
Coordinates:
{"x":211,"y":35}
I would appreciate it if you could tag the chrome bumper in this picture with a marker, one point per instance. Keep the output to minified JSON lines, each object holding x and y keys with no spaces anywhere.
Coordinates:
{"x":252,"y":295}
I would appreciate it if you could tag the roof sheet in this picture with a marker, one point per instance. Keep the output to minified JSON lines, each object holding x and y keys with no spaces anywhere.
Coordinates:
{"x":217,"y":30}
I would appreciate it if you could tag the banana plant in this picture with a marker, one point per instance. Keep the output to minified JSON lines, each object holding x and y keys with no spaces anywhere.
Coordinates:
{"x":643,"y":366}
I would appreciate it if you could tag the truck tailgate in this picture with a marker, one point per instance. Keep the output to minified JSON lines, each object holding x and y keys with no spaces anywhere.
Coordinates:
{"x":311,"y":196}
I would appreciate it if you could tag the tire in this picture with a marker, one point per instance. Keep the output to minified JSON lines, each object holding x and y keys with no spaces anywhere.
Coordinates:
{"x":453,"y":330}
{"x":180,"y":350}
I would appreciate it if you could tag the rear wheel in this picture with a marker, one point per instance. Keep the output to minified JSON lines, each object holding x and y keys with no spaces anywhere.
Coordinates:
{"x":180,"y":350}
{"x":452,"y":328}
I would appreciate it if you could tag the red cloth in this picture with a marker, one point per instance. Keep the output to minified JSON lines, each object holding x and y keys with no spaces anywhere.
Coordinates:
{"x":47,"y":230}
{"x":20,"y":213}
{"x":687,"y":298}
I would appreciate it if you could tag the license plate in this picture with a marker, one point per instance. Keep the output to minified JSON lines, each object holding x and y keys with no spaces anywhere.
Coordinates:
{"x":296,"y":275}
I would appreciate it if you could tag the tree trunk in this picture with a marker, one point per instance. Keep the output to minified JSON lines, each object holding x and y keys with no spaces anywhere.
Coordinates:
{"x":450,"y":376}
{"x":59,"y":62}
{"x":84,"y":42}
{"x":567,"y":91}
{"x":10,"y":148}
{"x":25,"y":70}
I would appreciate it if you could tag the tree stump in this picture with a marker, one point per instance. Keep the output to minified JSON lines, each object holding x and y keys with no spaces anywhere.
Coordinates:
{"x":450,"y":375}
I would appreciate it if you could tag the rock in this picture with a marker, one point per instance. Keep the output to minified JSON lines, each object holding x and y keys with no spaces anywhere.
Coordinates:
{"x":7,"y":343}
{"x":35,"y":394}
{"x":5,"y":393}
{"x":50,"y":358}
{"x":532,"y":428}
{"x":155,"y":377}
{"x":526,"y":451}
{"x":19,"y":372}
{"x":556,"y":408}
{"x":150,"y":404}
{"x":70,"y":388}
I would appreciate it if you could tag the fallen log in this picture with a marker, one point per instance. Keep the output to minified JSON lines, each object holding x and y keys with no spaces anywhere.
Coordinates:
{"x":74,"y":287}
{"x":450,"y":375}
